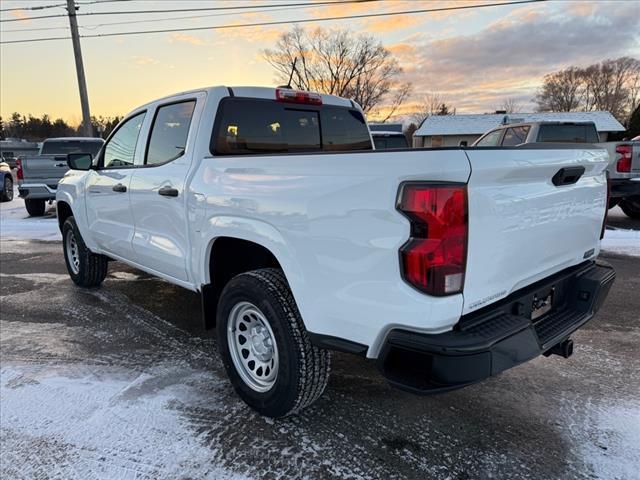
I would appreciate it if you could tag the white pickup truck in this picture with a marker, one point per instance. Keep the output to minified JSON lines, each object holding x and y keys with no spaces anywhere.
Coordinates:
{"x":447,"y":265}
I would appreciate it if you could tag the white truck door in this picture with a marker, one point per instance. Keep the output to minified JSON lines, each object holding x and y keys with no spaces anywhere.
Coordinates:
{"x":107,"y":190}
{"x":158,"y":201}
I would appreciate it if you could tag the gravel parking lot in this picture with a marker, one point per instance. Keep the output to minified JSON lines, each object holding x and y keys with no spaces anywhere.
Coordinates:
{"x":122,"y":382}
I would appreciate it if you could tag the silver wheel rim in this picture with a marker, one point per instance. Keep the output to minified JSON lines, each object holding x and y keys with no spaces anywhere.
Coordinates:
{"x":252,"y":346}
{"x":72,"y":252}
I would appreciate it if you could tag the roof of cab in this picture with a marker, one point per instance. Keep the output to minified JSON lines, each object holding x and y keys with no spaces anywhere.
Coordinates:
{"x":268,"y":93}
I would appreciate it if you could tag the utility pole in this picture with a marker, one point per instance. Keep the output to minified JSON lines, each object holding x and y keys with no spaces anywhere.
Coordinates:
{"x":87,"y":130}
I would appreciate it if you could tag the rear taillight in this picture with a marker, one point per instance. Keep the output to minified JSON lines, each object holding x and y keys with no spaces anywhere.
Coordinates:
{"x":297,"y":96}
{"x":19,"y":173}
{"x":623,"y":165}
{"x":434,"y":259}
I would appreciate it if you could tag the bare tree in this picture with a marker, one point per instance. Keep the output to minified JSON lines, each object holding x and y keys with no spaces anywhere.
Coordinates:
{"x":611,"y":85}
{"x":338,"y":62}
{"x":510,"y":105}
{"x":431,"y":104}
{"x":397,"y":99}
{"x":561,"y":91}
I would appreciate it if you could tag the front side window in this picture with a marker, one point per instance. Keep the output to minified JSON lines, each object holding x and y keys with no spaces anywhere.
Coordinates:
{"x":515,"y":136}
{"x":491,"y":139}
{"x":168,"y":139}
{"x":120,"y":150}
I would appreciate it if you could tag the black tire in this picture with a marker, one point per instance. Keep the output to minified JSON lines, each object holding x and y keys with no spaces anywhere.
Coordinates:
{"x":35,"y":207}
{"x":303,"y":369}
{"x":7,"y":193}
{"x":631,"y":207}
{"x":91,"y":269}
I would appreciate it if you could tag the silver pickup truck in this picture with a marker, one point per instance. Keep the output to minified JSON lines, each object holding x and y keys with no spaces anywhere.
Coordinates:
{"x":624,"y":167}
{"x":38,"y":175}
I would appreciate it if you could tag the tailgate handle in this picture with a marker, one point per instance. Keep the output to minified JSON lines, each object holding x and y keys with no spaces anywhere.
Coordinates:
{"x":567,"y":176}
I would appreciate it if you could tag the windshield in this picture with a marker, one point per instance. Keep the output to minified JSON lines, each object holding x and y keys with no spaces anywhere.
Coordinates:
{"x":390,"y":142}
{"x":63,"y":147}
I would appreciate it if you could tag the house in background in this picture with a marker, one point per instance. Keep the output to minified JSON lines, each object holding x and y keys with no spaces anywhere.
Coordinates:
{"x":449,"y":130}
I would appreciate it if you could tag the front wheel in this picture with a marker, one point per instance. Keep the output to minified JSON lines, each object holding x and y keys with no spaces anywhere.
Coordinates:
{"x":7,"y":193}
{"x":265,"y":348}
{"x":631,"y":207}
{"x":85,"y":268}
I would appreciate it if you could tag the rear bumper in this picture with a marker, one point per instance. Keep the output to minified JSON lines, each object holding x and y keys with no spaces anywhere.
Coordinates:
{"x":37,"y":191}
{"x":625,"y":187}
{"x":497,"y":337}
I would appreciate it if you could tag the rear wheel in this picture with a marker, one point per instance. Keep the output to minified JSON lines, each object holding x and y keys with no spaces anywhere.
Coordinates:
{"x":35,"y":207}
{"x":266,"y":351}
{"x":85,"y":268}
{"x":7,"y":193}
{"x":631,"y":207}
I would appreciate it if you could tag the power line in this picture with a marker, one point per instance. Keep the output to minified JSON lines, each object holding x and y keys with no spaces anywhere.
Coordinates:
{"x":43,"y":7}
{"x":174,"y":10}
{"x":281,"y":22}
{"x":154,"y":20}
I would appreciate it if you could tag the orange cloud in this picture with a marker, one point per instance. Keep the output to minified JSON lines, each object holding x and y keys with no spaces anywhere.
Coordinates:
{"x":185,"y":38}
{"x":389,"y":24}
{"x":144,"y":61}
{"x":20,"y":15}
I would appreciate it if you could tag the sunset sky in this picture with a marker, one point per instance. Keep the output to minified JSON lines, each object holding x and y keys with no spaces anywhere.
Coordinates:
{"x":474,"y":58}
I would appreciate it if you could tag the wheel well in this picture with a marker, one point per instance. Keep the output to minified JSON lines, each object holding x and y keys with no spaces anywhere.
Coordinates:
{"x":64,"y":212}
{"x":230,"y":257}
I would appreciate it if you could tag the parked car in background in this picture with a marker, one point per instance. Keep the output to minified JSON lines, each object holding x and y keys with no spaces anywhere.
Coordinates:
{"x":6,"y":183}
{"x":624,"y":166}
{"x":445,"y":266}
{"x":10,"y":160}
{"x":38,"y":175}
{"x":389,"y":140}
{"x":624,"y":173}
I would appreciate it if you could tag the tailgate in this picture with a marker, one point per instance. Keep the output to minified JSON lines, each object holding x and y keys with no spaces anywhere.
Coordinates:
{"x":45,"y":168}
{"x":523,"y":227}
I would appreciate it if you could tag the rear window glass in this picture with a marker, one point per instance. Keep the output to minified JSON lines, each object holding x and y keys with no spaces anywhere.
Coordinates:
{"x":250,"y":126}
{"x":568,"y":133}
{"x":62,"y":147}
{"x":390,"y":142}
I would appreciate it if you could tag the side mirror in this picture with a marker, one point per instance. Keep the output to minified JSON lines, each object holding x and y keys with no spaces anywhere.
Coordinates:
{"x":463,"y":143}
{"x":79,"y":161}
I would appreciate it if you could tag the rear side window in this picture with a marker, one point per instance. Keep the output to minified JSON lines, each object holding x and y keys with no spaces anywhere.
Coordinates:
{"x":568,"y":133}
{"x":247,"y":126}
{"x":168,"y":139}
{"x":515,"y":136}
{"x":491,"y":139}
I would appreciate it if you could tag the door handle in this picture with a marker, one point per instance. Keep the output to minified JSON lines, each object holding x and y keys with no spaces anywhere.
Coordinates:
{"x":168,"y":192}
{"x":61,"y":164}
{"x":119,"y":188}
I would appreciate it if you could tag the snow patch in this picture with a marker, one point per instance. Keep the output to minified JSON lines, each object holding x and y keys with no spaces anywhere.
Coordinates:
{"x":15,"y":223}
{"x":621,"y":241}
